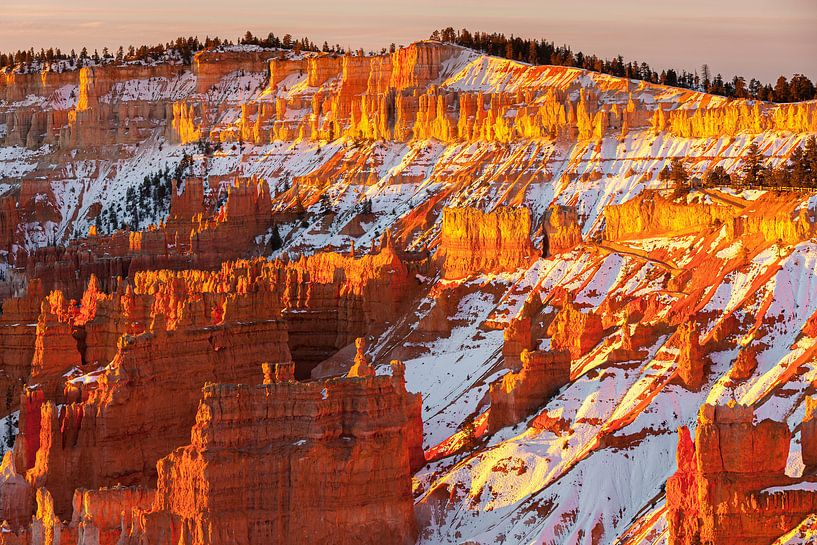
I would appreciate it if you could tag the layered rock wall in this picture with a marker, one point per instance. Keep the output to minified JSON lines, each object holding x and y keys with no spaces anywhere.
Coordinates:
{"x":473,"y":241}
{"x":651,"y":214}
{"x":575,"y":331}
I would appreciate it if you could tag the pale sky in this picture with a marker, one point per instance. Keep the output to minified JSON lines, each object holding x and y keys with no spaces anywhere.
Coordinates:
{"x":753,"y":38}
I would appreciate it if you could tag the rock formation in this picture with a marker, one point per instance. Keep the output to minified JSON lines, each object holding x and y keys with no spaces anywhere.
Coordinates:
{"x":289,"y":168}
{"x":516,"y":395}
{"x":221,"y":336}
{"x":731,"y":485}
{"x":516,"y":339}
{"x":692,"y":361}
{"x":290,"y":462}
{"x":18,"y":324}
{"x":562,"y":229}
{"x":575,"y":331}
{"x":473,"y":241}
{"x":651,"y":214}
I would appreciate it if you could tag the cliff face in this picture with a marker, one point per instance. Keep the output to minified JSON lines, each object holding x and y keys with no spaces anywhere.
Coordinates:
{"x":290,"y":462}
{"x":731,"y":485}
{"x":18,"y":324}
{"x":217,"y":336}
{"x":220,"y":324}
{"x":194,"y":236}
{"x":330,"y":300}
{"x":472,"y":241}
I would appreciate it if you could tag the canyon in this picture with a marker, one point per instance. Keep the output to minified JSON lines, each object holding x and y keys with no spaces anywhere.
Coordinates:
{"x":428,"y":296}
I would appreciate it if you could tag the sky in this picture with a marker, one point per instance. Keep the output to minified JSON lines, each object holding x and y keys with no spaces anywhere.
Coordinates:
{"x":753,"y":38}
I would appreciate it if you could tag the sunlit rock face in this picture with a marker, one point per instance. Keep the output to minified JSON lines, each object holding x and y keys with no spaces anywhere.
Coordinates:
{"x":472,"y":241}
{"x":426,"y":297}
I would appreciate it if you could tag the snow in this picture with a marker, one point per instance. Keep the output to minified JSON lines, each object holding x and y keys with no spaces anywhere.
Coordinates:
{"x":805,"y":486}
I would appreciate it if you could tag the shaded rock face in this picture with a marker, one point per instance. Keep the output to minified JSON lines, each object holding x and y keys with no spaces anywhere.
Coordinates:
{"x":173,"y":333}
{"x":330,"y":300}
{"x":86,"y":444}
{"x":731,"y":486}
{"x":18,"y":324}
{"x":289,"y":462}
{"x":517,"y":338}
{"x":562,"y":229}
{"x":516,"y":396}
{"x":473,"y":241}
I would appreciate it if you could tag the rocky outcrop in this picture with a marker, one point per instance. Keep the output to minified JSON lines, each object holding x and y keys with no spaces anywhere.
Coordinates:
{"x":100,"y":516}
{"x":517,"y":338}
{"x":330,"y":300}
{"x":808,"y":436}
{"x":736,"y":116}
{"x":194,"y":237}
{"x":515,"y":396}
{"x":473,"y":241}
{"x":55,"y":348}
{"x":774,"y":219}
{"x":222,"y":325}
{"x":217,"y":335}
{"x":692,"y":360}
{"x":211,"y":66}
{"x":562,"y":231}
{"x":651,"y":214}
{"x":18,"y":326}
{"x":731,"y":485}
{"x":575,"y":331}
{"x":290,"y":462}
{"x":16,"y":495}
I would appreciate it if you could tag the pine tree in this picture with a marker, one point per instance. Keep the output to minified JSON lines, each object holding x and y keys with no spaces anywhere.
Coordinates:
{"x":666,"y":174}
{"x":275,"y":242}
{"x":325,"y":205}
{"x":754,"y":173}
{"x":781,"y":90}
{"x":718,"y":177}
{"x":678,"y":173}
{"x":9,"y":435}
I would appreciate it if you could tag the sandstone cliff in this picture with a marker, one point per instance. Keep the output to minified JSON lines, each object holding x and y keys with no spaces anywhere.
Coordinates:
{"x":516,"y":395}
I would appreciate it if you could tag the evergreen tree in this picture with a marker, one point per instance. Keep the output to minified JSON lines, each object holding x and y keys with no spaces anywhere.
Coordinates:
{"x":781,"y":90}
{"x":717,"y":177}
{"x":678,"y":173}
{"x":9,"y":435}
{"x":754,"y":172}
{"x":325,"y":205}
{"x":666,"y":174}
{"x":275,"y":242}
